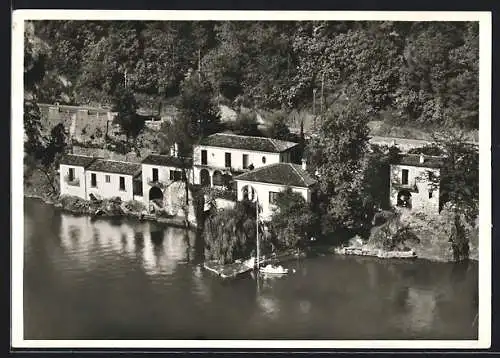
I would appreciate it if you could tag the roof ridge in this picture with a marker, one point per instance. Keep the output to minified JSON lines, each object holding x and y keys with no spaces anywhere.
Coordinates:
{"x":252,"y":136}
{"x":263,"y":167}
{"x":294,"y":166}
{"x":272,"y":140}
{"x":117,"y":161}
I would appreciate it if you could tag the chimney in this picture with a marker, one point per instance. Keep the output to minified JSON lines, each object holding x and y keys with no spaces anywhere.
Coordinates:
{"x":421,"y":158}
{"x":304,"y":164}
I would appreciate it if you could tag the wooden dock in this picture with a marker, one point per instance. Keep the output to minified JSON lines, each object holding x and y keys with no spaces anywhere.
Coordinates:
{"x":227,"y":271}
{"x":238,"y":268}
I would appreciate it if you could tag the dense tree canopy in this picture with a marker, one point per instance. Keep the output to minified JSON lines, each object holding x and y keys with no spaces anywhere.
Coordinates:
{"x":336,"y":153}
{"x":230,"y":233}
{"x":424,"y":72}
{"x":293,"y":221}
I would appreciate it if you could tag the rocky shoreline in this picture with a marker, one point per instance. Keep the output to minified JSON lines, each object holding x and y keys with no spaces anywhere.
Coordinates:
{"x":356,"y":247}
{"x":103,"y":210}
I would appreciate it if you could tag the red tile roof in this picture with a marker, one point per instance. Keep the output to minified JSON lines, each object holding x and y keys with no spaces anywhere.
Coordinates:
{"x":287,"y":174}
{"x":261,"y":144}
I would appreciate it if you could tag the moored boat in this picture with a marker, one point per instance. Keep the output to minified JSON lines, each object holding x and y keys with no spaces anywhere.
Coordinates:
{"x":279,"y":270}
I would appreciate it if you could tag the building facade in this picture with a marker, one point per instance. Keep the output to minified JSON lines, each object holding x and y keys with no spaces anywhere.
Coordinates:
{"x":414,"y":183}
{"x":160,"y":171}
{"x":72,"y":175}
{"x":110,"y":178}
{"x":221,"y":156}
{"x":263,"y":184}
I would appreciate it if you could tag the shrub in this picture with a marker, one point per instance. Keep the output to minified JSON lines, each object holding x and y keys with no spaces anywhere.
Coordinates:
{"x":135,"y":206}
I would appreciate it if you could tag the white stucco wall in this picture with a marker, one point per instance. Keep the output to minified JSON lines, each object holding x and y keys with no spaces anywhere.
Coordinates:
{"x":112,"y":189}
{"x":416,"y":175}
{"x":216,"y":157}
{"x":68,"y":189}
{"x":263,"y":190}
{"x":163,"y":176}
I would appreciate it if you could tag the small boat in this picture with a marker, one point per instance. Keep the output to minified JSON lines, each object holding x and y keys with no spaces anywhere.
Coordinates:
{"x":279,"y":270}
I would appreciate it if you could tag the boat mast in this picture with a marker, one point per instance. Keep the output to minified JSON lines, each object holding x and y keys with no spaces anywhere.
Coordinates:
{"x":257,"y":227}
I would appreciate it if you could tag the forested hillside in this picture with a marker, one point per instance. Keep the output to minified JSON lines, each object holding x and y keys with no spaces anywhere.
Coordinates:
{"x":416,"y":73}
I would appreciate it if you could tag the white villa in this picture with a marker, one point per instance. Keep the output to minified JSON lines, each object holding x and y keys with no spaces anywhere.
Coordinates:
{"x":414,"y":183}
{"x":72,"y":175}
{"x":220,"y":156}
{"x":261,"y":167}
{"x":111,"y":178}
{"x":264,"y":183}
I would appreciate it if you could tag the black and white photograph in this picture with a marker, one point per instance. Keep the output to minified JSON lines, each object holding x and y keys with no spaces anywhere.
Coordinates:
{"x":251,"y":179}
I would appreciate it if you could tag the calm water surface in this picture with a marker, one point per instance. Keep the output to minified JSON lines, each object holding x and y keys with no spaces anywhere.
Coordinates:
{"x":102,"y":279}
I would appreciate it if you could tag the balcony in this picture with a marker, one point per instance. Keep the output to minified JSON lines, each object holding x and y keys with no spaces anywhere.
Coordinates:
{"x":72,"y":182}
{"x":157,"y":183}
{"x":411,"y":187}
{"x":224,"y":170}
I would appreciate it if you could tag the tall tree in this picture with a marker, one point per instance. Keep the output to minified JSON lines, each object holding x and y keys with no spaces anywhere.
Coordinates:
{"x":293,"y":220}
{"x":196,"y":107}
{"x":125,"y":105}
{"x":279,"y":128}
{"x":336,"y":153}
{"x":230,"y":233}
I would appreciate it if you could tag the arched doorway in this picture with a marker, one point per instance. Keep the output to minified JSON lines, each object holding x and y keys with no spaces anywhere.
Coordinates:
{"x":248,"y":193}
{"x":404,"y":199}
{"x":217,"y":178}
{"x":156,"y":195}
{"x":204,"y":177}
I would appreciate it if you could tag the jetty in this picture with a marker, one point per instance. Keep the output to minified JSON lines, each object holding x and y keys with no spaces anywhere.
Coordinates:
{"x":227,"y":270}
{"x":240,"y":267}
{"x":364,"y":251}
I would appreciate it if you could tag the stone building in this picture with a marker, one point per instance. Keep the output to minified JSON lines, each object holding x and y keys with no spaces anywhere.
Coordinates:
{"x":415,"y":183}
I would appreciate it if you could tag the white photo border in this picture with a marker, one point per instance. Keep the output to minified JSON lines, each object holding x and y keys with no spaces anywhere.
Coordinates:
{"x":484,"y":275}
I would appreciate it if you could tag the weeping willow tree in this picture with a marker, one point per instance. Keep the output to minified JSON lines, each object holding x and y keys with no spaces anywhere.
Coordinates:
{"x":230,"y":233}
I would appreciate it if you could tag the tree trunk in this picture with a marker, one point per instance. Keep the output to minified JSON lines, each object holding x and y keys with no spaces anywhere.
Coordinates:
{"x":49,"y":179}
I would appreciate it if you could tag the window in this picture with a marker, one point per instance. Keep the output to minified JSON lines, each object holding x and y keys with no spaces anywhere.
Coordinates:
{"x":204,"y":157}
{"x":71,"y":174}
{"x":404,"y":177}
{"x":245,"y":161}
{"x":122,"y":183}
{"x":93,"y":180}
{"x":228,"y":160}
{"x":175,"y":175}
{"x":137,"y":187}
{"x":430,"y":194}
{"x":264,"y":160}
{"x":108,"y":178}
{"x":155,"y":174}
{"x":273,"y":196}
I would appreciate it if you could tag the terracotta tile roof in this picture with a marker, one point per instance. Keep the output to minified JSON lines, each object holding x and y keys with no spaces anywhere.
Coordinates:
{"x":279,"y":173}
{"x":114,"y":166}
{"x":262,"y":144}
{"x":414,"y":161}
{"x":167,"y":161}
{"x":77,"y":160}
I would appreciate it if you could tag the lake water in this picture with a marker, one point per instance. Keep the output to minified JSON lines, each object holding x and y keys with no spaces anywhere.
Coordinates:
{"x":124,"y":279}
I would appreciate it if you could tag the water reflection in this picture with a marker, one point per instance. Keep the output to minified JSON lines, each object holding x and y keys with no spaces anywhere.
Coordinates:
{"x":159,"y":249}
{"x":422,"y":304}
{"x":87,"y":279}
